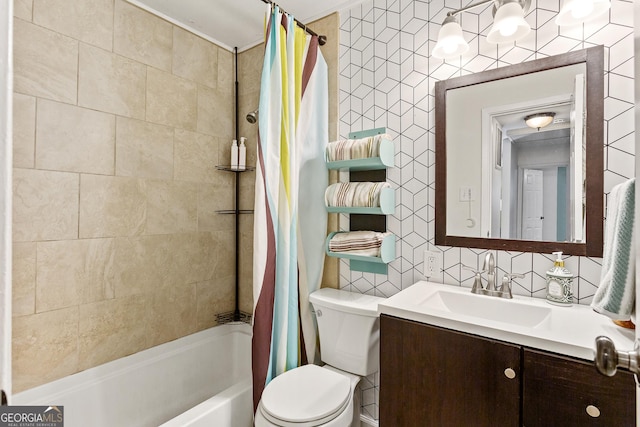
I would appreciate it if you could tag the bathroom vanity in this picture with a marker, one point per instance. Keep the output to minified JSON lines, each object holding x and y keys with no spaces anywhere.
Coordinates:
{"x":450,"y":358}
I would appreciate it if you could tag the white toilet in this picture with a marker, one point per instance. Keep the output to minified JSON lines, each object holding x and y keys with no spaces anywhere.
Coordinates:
{"x":311,"y":395}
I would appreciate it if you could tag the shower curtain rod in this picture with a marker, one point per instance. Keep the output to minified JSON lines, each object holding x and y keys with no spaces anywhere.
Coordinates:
{"x":321,"y":39}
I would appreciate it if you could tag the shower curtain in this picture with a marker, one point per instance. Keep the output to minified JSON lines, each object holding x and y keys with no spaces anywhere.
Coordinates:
{"x":290,"y":219}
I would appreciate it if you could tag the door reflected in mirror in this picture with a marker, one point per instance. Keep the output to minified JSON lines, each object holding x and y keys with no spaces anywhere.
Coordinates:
{"x":533,"y":190}
{"x":513,"y":148}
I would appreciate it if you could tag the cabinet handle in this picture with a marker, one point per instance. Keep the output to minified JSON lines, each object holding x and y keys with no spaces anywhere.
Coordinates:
{"x":510,"y":373}
{"x":593,"y":411}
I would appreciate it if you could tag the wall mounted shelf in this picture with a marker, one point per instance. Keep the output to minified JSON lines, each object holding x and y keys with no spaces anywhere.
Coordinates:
{"x":386,"y":160}
{"x":368,"y":218}
{"x":387,"y":205}
{"x":370,"y":264}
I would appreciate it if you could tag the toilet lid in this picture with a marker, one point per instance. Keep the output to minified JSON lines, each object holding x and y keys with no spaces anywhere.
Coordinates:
{"x":306,"y":394}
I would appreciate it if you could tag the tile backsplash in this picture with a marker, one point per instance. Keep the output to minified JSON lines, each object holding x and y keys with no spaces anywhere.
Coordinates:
{"x":387,"y":78}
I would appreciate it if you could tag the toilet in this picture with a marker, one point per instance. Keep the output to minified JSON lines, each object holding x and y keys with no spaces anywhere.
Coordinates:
{"x":311,"y":395}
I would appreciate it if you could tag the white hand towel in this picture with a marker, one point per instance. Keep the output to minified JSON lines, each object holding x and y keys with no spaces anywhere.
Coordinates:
{"x":615,"y":297}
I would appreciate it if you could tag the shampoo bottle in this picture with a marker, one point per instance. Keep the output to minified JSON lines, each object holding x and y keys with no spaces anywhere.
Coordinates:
{"x":234,"y":155}
{"x":242,"y":156}
{"x":559,"y":281}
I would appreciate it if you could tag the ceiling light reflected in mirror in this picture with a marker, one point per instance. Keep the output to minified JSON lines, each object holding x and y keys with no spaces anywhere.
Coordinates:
{"x":539,"y":120}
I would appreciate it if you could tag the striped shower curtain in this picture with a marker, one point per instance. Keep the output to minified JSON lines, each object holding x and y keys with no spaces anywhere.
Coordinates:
{"x":290,"y":219}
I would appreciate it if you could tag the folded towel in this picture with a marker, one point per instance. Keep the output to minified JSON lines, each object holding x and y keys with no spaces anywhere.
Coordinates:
{"x":358,"y":242}
{"x":615,"y":296}
{"x":355,"y":148}
{"x":355,"y":194}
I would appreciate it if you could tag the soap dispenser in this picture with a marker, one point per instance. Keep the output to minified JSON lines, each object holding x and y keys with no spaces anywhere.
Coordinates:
{"x":559,"y":282}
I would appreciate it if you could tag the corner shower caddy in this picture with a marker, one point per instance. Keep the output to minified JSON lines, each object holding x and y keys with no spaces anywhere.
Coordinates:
{"x":362,"y":169}
{"x":235,"y":211}
{"x":237,"y":315}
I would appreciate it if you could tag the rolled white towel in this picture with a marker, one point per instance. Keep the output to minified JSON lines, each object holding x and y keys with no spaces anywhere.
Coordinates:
{"x":358,"y":242}
{"x":355,"y":194}
{"x":368,"y":193}
{"x":348,"y":149}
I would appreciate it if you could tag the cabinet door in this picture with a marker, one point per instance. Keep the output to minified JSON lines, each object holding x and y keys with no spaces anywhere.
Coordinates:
{"x":431,"y":376}
{"x":559,"y":391}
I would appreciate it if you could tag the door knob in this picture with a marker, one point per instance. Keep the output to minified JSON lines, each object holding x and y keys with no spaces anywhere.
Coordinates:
{"x":608,"y":359}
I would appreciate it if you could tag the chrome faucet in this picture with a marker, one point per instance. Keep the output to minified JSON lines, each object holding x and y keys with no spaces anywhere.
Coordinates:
{"x":489,"y":267}
{"x":505,"y":289}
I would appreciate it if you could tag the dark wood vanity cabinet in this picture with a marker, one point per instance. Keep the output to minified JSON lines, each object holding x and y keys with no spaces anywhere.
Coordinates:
{"x":436,"y":377}
{"x":432,"y":376}
{"x":560,"y":391}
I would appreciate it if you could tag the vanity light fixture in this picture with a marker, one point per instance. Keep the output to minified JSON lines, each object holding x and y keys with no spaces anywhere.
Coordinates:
{"x":575,"y":12}
{"x":450,"y":41}
{"x":508,"y":25}
{"x":539,"y":120}
{"x":508,"y":22}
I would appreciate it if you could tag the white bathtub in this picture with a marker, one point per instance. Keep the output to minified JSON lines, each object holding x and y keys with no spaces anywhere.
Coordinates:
{"x":203,"y":379}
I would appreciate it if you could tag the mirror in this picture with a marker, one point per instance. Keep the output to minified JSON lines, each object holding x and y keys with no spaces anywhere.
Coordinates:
{"x":504,"y":184}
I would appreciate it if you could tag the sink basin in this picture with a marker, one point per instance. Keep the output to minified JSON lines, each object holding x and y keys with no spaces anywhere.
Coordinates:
{"x":488,"y":308}
{"x":529,"y":322}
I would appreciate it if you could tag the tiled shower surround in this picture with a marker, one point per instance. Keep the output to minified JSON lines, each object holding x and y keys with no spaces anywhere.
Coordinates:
{"x":387,"y":79}
{"x":119,"y":118}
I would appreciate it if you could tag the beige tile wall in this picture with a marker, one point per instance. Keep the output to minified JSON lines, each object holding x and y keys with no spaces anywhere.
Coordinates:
{"x":120,"y":118}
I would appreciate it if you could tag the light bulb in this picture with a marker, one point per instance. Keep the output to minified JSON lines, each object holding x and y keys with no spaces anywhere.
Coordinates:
{"x":508,"y":24}
{"x":574,"y":12}
{"x":508,"y":27}
{"x":449,"y":47}
{"x":582,"y":9}
{"x":450,"y":41}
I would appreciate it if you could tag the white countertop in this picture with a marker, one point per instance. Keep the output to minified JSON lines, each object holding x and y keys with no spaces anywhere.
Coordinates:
{"x":565,"y":330}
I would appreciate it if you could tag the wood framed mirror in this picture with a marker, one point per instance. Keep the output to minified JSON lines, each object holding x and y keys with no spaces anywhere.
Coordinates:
{"x":503,"y":184}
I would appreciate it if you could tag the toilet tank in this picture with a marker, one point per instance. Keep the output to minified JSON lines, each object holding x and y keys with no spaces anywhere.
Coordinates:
{"x":349,"y":328}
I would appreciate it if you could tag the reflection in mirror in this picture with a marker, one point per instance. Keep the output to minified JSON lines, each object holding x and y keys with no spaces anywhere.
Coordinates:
{"x":515,"y":185}
{"x":538,"y":204}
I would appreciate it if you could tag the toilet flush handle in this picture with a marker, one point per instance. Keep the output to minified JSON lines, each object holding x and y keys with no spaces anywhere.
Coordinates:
{"x":318,"y":313}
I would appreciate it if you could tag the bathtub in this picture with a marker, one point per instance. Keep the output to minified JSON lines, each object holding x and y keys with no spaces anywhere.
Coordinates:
{"x":202,"y":379}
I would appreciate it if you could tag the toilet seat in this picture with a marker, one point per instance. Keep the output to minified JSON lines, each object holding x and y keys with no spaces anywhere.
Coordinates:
{"x":306,"y":396}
